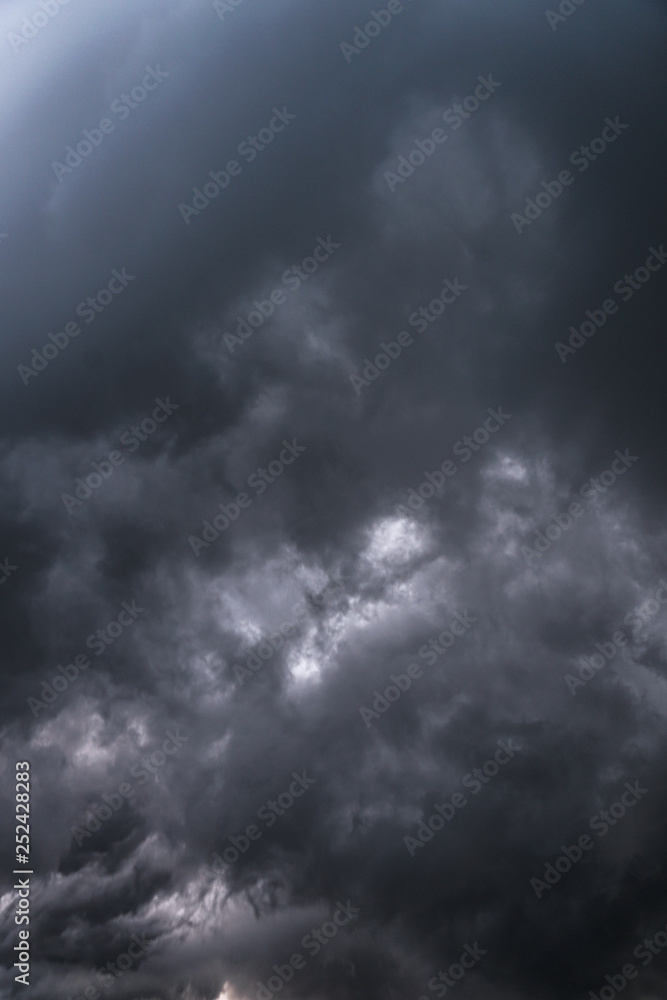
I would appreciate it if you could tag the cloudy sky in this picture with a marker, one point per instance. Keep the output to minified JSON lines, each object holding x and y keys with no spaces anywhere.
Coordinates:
{"x":332,"y":469}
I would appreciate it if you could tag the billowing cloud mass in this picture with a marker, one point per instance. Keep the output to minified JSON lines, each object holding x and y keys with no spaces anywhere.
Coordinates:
{"x":332,"y":466}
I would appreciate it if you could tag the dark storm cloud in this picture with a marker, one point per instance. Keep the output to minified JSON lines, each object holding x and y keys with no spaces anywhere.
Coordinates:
{"x":168,"y":331}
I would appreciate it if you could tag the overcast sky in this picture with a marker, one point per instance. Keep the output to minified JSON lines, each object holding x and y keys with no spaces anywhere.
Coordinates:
{"x":212,"y":218}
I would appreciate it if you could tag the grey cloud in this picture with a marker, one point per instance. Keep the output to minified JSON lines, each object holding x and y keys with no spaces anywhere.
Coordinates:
{"x":146,"y":871}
